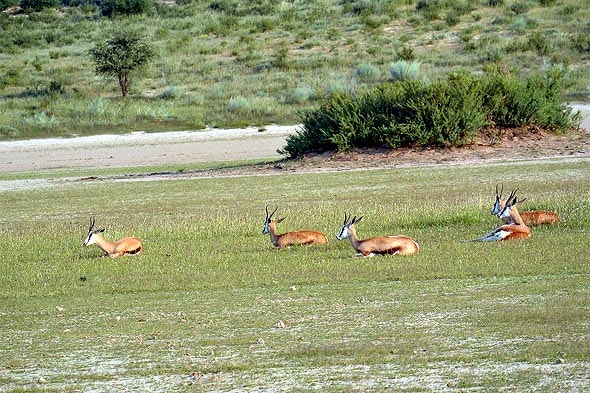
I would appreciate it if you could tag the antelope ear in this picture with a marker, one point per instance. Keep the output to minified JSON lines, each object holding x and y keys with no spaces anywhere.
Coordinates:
{"x":101,"y":230}
{"x":280,"y":220}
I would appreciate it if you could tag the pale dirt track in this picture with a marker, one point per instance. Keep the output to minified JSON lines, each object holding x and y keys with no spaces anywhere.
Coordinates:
{"x":139,"y":149}
{"x":186,"y":147}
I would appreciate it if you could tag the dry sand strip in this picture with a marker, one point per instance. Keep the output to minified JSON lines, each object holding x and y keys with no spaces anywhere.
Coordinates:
{"x":141,"y":148}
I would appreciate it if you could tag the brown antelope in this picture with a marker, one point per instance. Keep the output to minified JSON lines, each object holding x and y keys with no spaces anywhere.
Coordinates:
{"x":530,"y":218}
{"x":514,"y":227}
{"x":399,"y":244}
{"x":289,"y":239}
{"x":125,"y":246}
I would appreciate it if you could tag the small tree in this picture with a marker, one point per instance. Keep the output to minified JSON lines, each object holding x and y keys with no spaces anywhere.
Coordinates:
{"x":125,"y":51}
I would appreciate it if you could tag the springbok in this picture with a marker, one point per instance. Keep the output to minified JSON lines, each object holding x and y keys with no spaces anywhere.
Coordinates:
{"x":380,"y":245}
{"x":514,"y":227}
{"x":125,"y":246}
{"x":289,"y":239}
{"x":530,"y":218}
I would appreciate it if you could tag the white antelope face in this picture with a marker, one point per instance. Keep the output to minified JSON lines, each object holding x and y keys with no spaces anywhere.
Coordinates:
{"x":266,"y":228}
{"x":91,"y":238}
{"x":345,"y":230}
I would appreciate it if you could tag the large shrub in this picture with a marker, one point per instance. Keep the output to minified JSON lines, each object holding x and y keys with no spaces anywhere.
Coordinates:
{"x":4,"y":4}
{"x":447,"y":112}
{"x":38,"y":5}
{"x":125,"y":7}
{"x":512,"y":102}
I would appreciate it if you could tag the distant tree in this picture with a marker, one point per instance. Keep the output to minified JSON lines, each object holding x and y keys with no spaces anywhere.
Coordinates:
{"x":126,"y":51}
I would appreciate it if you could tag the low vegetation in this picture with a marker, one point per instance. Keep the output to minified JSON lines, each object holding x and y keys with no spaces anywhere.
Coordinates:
{"x":433,"y":114}
{"x":234,"y":63}
{"x":211,"y":305}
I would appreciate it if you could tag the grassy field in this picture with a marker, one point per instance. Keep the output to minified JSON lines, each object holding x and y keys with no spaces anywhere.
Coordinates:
{"x":234,"y":63}
{"x":211,"y":306}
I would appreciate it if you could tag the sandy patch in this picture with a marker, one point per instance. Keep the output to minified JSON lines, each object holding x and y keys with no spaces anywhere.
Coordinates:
{"x":139,"y":149}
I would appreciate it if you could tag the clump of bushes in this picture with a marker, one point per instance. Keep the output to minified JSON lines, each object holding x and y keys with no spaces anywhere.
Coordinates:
{"x":443,"y":113}
{"x":112,"y":8}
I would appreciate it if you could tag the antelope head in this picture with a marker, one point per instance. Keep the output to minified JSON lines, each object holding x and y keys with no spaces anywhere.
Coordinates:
{"x":511,"y":202}
{"x":498,"y":204}
{"x":91,"y":239}
{"x":269,"y":220}
{"x":346,"y":225}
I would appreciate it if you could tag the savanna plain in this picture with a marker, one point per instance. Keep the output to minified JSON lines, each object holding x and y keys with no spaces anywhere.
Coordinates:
{"x":211,"y":306}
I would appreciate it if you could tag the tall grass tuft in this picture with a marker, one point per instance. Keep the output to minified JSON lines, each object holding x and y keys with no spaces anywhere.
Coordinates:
{"x":402,"y":70}
{"x":367,"y":72}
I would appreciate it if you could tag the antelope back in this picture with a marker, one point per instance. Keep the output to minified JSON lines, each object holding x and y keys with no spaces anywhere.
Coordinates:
{"x":539,"y":217}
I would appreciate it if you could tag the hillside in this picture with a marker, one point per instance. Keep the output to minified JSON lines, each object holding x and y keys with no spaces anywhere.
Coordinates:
{"x":234,"y":63}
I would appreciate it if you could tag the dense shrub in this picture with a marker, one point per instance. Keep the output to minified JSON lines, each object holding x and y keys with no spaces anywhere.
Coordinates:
{"x":80,"y":3}
{"x":447,"y":112}
{"x":406,"y":53}
{"x":125,"y":7}
{"x":38,"y":5}
{"x":511,"y":102}
{"x":4,"y":4}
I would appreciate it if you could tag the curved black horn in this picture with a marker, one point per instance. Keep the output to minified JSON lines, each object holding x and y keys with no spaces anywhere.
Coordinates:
{"x":512,"y":197}
{"x":273,"y":212}
{"x":91,"y":223}
{"x":501,"y":190}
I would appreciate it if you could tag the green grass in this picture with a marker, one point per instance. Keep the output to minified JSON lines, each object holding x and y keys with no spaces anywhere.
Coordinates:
{"x":209,"y":290}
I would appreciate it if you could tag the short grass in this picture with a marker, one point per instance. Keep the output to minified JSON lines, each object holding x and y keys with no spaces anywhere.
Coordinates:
{"x":200,"y":309}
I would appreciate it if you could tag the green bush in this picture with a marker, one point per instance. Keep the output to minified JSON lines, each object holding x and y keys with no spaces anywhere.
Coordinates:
{"x":511,"y":102}
{"x":429,"y":9}
{"x":38,"y":5}
{"x":111,"y":8}
{"x":4,"y":4}
{"x":444,"y":113}
{"x":406,"y":53}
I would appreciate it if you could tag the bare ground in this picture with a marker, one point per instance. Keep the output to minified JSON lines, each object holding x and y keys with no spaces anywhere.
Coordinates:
{"x":518,"y":144}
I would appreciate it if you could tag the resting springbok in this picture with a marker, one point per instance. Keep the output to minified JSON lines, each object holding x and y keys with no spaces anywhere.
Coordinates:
{"x":532,"y":218}
{"x":125,"y":246}
{"x":514,"y":227}
{"x":399,"y":244}
{"x":288,"y":239}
